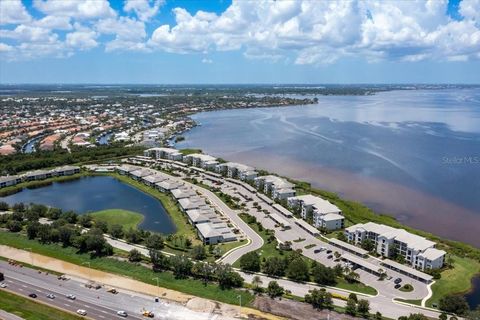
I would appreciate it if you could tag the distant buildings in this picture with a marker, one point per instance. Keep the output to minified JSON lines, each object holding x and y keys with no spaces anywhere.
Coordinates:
{"x":276,"y":187}
{"x":164,"y":153}
{"x":417,"y":251}
{"x":7,"y":181}
{"x":324,"y":214}
{"x":236,"y":171}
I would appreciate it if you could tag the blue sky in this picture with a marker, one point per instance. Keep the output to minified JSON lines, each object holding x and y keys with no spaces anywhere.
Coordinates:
{"x":284,"y":41}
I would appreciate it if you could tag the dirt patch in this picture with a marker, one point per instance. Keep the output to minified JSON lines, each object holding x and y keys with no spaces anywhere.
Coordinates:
{"x":201,"y":305}
{"x":295,"y":310}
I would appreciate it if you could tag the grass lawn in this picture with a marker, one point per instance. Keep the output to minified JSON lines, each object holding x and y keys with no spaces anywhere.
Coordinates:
{"x":31,"y":310}
{"x":456,"y":280}
{"x":127,"y":219}
{"x":137,"y":272}
{"x":406,"y":288}
{"x":415,"y":302}
{"x":356,"y":286}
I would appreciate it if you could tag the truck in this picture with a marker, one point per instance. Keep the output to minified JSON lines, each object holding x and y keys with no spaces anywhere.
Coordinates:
{"x":2,"y":277}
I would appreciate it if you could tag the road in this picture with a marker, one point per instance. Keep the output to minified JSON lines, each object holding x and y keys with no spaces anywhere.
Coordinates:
{"x":99,"y":304}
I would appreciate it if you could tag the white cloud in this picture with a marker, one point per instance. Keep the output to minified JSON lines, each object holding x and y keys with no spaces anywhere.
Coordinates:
{"x":54,"y":22}
{"x":82,"y":38}
{"x":5,"y":47}
{"x":129,"y":33}
{"x":85,"y":9}
{"x":144,"y":9}
{"x":207,"y":61}
{"x":12,"y":12}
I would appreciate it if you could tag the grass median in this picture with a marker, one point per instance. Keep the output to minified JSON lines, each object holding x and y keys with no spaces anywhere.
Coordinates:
{"x":31,"y":310}
{"x":127,"y":219}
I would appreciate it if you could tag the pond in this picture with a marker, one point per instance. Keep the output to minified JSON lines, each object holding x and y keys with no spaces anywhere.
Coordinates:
{"x":473,"y":297}
{"x":90,"y":194}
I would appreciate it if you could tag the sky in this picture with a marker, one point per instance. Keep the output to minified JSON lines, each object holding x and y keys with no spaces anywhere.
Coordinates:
{"x":239,"y":41}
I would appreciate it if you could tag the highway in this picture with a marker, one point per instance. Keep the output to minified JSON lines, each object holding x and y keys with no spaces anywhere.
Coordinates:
{"x":99,"y":304}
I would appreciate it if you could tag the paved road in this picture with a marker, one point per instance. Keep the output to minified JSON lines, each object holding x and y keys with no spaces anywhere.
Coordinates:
{"x":99,"y":304}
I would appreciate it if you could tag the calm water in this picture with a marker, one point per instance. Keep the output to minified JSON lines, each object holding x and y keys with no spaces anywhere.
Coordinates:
{"x":98,"y":193}
{"x":413,"y":154}
{"x":473,"y":297}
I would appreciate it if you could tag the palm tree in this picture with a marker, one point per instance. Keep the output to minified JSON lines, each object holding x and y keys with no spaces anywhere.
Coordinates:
{"x":257,"y":281}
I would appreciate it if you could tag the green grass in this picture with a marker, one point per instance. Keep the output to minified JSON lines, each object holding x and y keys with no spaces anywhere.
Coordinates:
{"x":415,"y":302}
{"x":355,"y":286}
{"x":127,"y":219}
{"x":137,"y":272}
{"x":406,"y":288}
{"x":190,"y":151}
{"x":456,"y":280}
{"x":31,"y":310}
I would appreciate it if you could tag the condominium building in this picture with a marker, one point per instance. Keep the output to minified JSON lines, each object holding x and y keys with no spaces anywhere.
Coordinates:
{"x":324,"y":214}
{"x":9,"y":181}
{"x":164,"y":153}
{"x":275,"y":187}
{"x":418,"y":252}
{"x":200,"y":160}
{"x":236,"y":171}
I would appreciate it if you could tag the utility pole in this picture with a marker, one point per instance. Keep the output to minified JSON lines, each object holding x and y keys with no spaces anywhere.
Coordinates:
{"x":240,"y":308}
{"x":158,"y":286}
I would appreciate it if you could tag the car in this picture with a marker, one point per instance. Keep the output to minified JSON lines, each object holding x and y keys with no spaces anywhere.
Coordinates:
{"x":317,"y":251}
{"x":32,"y":295}
{"x":112,"y":290}
{"x":330,"y":257}
{"x":50,"y":296}
{"x":82,"y":312}
{"x":329,"y":251}
{"x":122,"y":313}
{"x":398,"y":280}
{"x":3,"y":285}
{"x":148,"y":314}
{"x":398,"y":286}
{"x":71,"y":297}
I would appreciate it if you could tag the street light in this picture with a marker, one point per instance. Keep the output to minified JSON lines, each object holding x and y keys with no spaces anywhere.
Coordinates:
{"x":158,"y":287}
{"x":240,"y":308}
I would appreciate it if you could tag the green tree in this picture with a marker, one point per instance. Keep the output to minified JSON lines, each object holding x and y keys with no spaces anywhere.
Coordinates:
{"x":274,"y":289}
{"x":133,"y":236}
{"x":250,"y":262}
{"x":198,"y":252}
{"x":227,"y":278}
{"x":85,"y":220}
{"x":14,"y":225}
{"x":351,"y":307}
{"x":116,"y":231}
{"x":319,"y":299}
{"x":160,"y":262}
{"x":181,"y":266}
{"x":134,"y":256}
{"x":443,"y":316}
{"x":323,"y":275}
{"x":454,"y":304}
{"x":352,"y":277}
{"x":155,"y":241}
{"x":367,"y":244}
{"x":65,"y":235}
{"x":353,"y":296}
{"x":298,"y":269}
{"x":43,"y":233}
{"x":203,"y":271}
{"x":102,"y":225}
{"x":363,"y":307}
{"x":274,"y":267}
{"x":378,"y":316}
{"x":4,"y":206}
{"x":32,"y":230}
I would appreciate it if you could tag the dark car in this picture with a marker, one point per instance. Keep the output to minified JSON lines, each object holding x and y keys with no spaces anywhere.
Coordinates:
{"x":329,"y":251}
{"x":330,"y":257}
{"x":398,"y":286}
{"x":32,"y":295}
{"x":398,"y":280}
{"x":317,"y":251}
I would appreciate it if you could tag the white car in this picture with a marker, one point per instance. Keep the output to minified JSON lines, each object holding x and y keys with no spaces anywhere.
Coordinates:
{"x":3,"y":285}
{"x":122,"y":313}
{"x":82,"y":312}
{"x":71,"y":297}
{"x":50,"y":296}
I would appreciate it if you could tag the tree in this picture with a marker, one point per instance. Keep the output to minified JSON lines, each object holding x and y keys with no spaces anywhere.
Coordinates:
{"x":94,"y":242}
{"x":54,"y":213}
{"x":414,"y":316}
{"x":18,"y":207}
{"x":38,"y":210}
{"x":367,"y":244}
{"x":378,"y":316}
{"x":342,"y":237}
{"x":338,"y":270}
{"x":116,"y":231}
{"x":274,"y":266}
{"x":132,"y":236}
{"x":70,"y":216}
{"x":323,"y":275}
{"x":353,"y":296}
{"x":203,"y":270}
{"x":250,"y":262}
{"x":43,"y":233}
{"x":85,"y":220}
{"x":298,"y":269}
{"x":188,"y":243}
{"x":351,"y":307}
{"x":14,"y":225}
{"x":159,"y":260}
{"x":274,"y":289}
{"x":155,"y":241}
{"x":454,"y":304}
{"x":181,"y":266}
{"x":363,"y":307}
{"x":198,"y":252}
{"x":134,"y":256}
{"x":257,"y":282}
{"x":102,"y":225}
{"x":65,"y":235}
{"x":32,"y":230}
{"x":443,"y":316}
{"x":319,"y":299}
{"x":227,"y":278}
{"x":4,"y":206}
{"x":352,"y":276}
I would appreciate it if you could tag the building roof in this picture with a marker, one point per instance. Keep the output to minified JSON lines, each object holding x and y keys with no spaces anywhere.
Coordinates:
{"x":239,"y":166}
{"x":279,"y":219}
{"x":183,"y":192}
{"x":202,"y":157}
{"x":311,"y":229}
{"x":279,"y":183}
{"x":321,"y":205}
{"x":192,"y":202}
{"x":432,"y":254}
{"x":407,"y":270}
{"x":282,"y":210}
{"x":66,"y":168}
{"x":208,"y":231}
{"x":154,"y":178}
{"x":361,"y":262}
{"x":332,"y":217}
{"x":9,"y":178}
{"x":168,"y":184}
{"x":347,"y":246}
{"x":141,"y":172}
{"x":196,"y":215}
